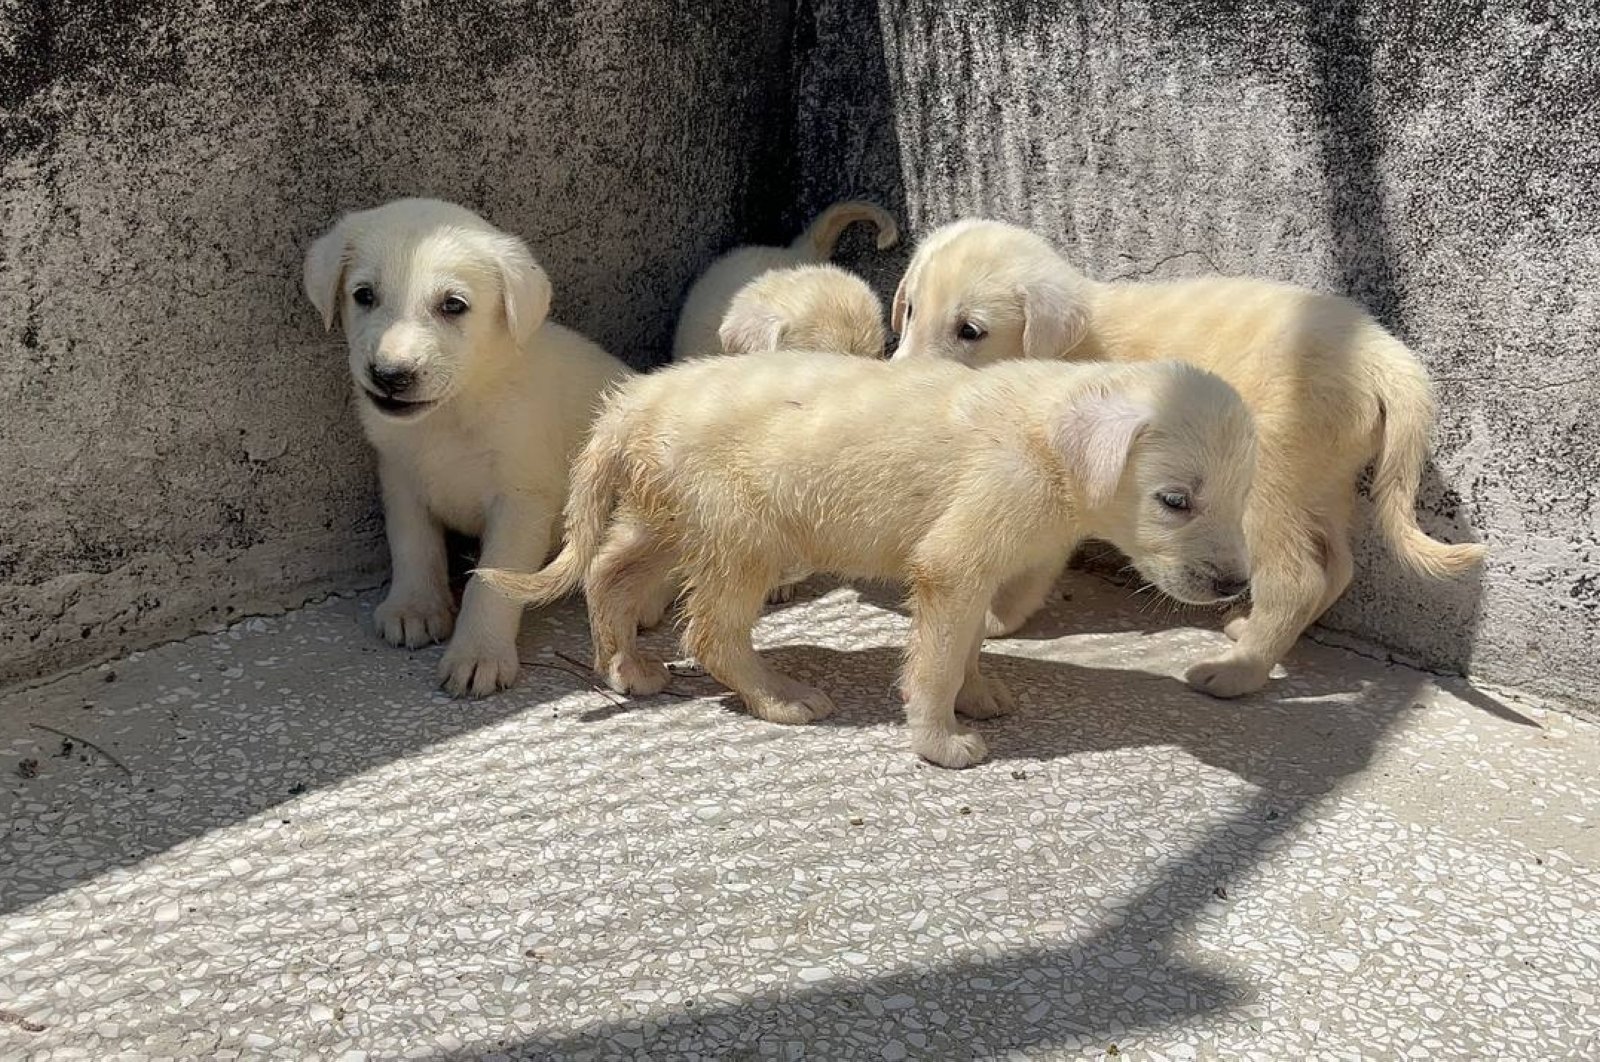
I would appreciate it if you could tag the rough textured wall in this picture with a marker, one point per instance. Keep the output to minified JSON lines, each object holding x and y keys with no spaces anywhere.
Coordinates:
{"x":1437,"y":161}
{"x":176,"y":439}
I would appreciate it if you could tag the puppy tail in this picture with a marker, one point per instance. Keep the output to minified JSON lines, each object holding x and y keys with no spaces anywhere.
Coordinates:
{"x":596,"y":479}
{"x":1406,"y":400}
{"x":822,"y":235}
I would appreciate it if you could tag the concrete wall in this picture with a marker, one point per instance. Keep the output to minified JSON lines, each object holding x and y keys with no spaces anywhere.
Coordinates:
{"x":176,"y":443}
{"x":1437,"y":161}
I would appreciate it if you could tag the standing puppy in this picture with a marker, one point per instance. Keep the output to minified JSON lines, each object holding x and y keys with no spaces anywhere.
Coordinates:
{"x":708,"y":300}
{"x":475,"y":403}
{"x":730,"y":471}
{"x":1331,"y":390}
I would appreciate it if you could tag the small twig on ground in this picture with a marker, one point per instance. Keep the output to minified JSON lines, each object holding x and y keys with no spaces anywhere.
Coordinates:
{"x":86,"y":742}
{"x":11,"y":1017}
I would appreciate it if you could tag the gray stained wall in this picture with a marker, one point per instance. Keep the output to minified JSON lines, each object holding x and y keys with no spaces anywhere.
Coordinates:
{"x":1439,"y":162}
{"x":182,"y":446}
{"x":178,"y":445}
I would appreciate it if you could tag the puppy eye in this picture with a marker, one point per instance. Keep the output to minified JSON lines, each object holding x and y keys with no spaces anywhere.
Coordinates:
{"x":1175,"y":500}
{"x":454,"y":306}
{"x":909,"y":309}
{"x":970,"y":332}
{"x":365,"y":296}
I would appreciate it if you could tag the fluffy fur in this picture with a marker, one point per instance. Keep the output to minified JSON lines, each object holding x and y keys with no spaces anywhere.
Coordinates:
{"x":474,"y":402}
{"x":1331,"y":390}
{"x":727,"y":472}
{"x":814,"y":307}
{"x":713,"y":293}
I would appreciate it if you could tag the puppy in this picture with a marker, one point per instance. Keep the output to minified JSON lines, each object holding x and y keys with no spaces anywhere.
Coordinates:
{"x":709,"y":299}
{"x":474,"y":402}
{"x":1331,"y":390}
{"x":815,"y":307}
{"x":727,"y":472}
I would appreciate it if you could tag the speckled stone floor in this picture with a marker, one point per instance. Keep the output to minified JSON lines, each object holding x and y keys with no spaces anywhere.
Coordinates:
{"x":286,"y":845}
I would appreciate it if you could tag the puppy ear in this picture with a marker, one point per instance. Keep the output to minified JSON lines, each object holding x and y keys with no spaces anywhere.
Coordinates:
{"x":1054,"y":320}
{"x":323,"y":275}
{"x":1094,"y":435}
{"x":897,"y":313}
{"x":526,"y":286}
{"x":748,"y":329}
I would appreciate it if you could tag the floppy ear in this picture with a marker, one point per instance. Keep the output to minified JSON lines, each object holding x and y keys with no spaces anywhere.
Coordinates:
{"x":748,"y":329}
{"x":323,"y":274}
{"x":526,"y":288}
{"x":1094,"y":435}
{"x":1054,"y":320}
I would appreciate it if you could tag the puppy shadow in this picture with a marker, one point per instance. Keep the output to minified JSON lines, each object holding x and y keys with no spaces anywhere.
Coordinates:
{"x":1292,"y":746}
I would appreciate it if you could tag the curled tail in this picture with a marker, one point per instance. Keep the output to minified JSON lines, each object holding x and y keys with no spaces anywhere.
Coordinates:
{"x":596,"y":478}
{"x":822,"y":235}
{"x":1406,"y":399}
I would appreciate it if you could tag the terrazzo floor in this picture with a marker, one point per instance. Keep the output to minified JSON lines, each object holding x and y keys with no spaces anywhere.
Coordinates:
{"x":282,"y":843}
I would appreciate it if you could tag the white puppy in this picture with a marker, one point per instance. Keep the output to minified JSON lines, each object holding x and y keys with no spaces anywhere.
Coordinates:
{"x":475,"y":403}
{"x":727,"y":472}
{"x":708,"y":300}
{"x":1331,"y":391}
{"x":814,"y":307}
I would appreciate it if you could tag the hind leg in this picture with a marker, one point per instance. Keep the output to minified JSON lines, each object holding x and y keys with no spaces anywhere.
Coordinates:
{"x":1288,"y":584}
{"x":624,"y":581}
{"x":721,"y":613}
{"x":1338,"y":563}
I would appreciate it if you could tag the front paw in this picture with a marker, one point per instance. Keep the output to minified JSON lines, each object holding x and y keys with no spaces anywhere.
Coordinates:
{"x":1227,"y":676}
{"x":954,"y":747}
{"x":781,"y":595}
{"x":478,"y":670}
{"x":414,"y":620}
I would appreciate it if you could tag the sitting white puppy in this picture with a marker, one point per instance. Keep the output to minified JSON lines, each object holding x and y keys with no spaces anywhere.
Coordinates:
{"x":1331,"y":389}
{"x":475,"y":403}
{"x":814,"y":307}
{"x":727,"y":472}
{"x":708,"y":300}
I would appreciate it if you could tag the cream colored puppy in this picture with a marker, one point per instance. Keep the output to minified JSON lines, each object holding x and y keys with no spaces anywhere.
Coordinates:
{"x":730,"y":471}
{"x":475,"y":403}
{"x":1330,"y":388}
{"x":708,"y":300}
{"x":814,"y":307}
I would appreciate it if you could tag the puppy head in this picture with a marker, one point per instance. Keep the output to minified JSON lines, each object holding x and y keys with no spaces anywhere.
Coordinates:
{"x":817,"y":307}
{"x":432,"y":298}
{"x":1163,"y":455}
{"x":980,"y":291}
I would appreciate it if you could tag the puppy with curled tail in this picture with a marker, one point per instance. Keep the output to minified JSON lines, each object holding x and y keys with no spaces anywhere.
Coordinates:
{"x":707,"y":304}
{"x":1331,"y":389}
{"x":473,"y":399}
{"x":726,"y":473}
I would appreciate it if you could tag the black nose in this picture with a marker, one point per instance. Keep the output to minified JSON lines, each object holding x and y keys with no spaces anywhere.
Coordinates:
{"x":1226,"y":586}
{"x":391,"y":380}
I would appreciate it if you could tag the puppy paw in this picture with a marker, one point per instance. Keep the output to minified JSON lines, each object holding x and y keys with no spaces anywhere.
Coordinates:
{"x":794,"y":703}
{"x":948,"y":748}
{"x":781,"y":595}
{"x":1235,"y":627}
{"x":985,"y":698}
{"x":1227,"y":676}
{"x":469,"y":670}
{"x":414,"y":621}
{"x":635,"y":675}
